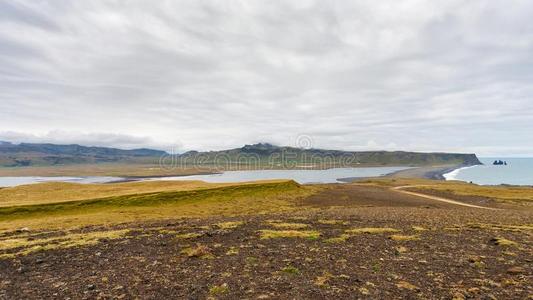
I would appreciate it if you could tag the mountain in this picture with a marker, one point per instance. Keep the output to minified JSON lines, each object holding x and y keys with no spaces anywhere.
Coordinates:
{"x":264,"y":154}
{"x":27,"y":154}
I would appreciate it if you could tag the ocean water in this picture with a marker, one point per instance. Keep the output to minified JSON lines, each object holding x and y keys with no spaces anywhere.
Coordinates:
{"x":519,"y":171}
{"x":300,"y":176}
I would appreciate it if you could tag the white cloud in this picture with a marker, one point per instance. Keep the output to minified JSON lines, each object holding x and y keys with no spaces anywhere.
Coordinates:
{"x":411,"y":75}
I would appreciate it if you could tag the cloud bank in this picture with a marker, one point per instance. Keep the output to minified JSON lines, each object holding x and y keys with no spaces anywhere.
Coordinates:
{"x":356,"y":75}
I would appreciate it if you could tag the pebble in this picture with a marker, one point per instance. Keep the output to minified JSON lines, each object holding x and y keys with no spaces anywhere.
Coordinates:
{"x":516,"y":270}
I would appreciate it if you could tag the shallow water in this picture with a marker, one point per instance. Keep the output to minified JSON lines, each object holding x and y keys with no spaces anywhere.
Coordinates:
{"x":15,"y":181}
{"x":519,"y":171}
{"x":300,"y":176}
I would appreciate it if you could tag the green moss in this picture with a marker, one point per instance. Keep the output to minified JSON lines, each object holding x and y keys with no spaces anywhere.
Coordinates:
{"x":289,"y":225}
{"x":272,"y":234}
{"x":333,"y":222}
{"x":232,"y":251}
{"x":25,"y":246}
{"x":290,"y":270}
{"x":218,"y":289}
{"x":229,"y":225}
{"x":340,"y":239}
{"x":188,"y":235}
{"x":400,"y":237}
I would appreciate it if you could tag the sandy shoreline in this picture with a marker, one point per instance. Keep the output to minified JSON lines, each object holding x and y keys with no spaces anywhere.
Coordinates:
{"x":434,"y":173}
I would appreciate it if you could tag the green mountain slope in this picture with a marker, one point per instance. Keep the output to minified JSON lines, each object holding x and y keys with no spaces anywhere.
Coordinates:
{"x":24,"y":154}
{"x":286,"y":157}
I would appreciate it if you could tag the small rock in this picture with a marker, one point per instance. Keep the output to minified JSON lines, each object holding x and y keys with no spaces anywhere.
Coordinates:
{"x":474,"y":259}
{"x":516,"y":270}
{"x":39,"y":261}
{"x":406,"y":285}
{"x":91,"y":287}
{"x":364,"y":291}
{"x":458,"y":296}
{"x":490,"y":297}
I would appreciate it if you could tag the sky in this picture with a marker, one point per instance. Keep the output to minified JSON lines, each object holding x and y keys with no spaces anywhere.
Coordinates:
{"x":444,"y":76}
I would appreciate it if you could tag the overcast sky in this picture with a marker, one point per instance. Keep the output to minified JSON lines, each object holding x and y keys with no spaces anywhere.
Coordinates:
{"x":355,"y":75}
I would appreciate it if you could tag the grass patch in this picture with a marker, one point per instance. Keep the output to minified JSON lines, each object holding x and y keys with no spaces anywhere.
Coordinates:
{"x":198,"y":251}
{"x":340,"y":239}
{"x":503,"y":242}
{"x":232,"y":251}
{"x":289,"y":225}
{"x":290,"y":270}
{"x":371,"y":230}
{"x":219,"y":289}
{"x":25,"y":246}
{"x":419,"y":228}
{"x":252,"y":261}
{"x":186,"y":236}
{"x":229,"y":225}
{"x":333,"y":222}
{"x":273,"y":234}
{"x":166,"y":231}
{"x":512,"y":228}
{"x":323,"y":280}
{"x":406,"y":285}
{"x":400,"y":249}
{"x":402,"y":238}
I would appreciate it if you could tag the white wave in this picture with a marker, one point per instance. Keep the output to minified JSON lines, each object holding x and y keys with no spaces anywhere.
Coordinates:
{"x":453,"y":174}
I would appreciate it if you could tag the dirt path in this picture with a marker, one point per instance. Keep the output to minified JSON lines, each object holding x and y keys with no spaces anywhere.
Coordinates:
{"x":435,"y":198}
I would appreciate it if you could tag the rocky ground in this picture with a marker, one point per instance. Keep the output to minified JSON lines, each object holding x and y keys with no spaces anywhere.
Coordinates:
{"x":347,"y":242}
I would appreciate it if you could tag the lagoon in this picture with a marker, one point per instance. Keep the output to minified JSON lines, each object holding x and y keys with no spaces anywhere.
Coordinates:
{"x":300,"y":176}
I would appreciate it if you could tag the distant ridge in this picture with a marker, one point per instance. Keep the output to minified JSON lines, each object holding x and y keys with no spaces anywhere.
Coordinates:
{"x":27,"y":154}
{"x":261,"y":155}
{"x":267,"y":153}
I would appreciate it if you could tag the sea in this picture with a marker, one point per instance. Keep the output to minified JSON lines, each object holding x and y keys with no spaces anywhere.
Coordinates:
{"x":518,"y":171}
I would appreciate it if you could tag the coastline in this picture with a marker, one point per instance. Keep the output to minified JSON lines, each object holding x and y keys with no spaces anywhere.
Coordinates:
{"x":432,"y":173}
{"x":425,"y":172}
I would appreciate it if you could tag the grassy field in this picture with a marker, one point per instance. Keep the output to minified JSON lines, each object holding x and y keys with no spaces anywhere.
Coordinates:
{"x":505,"y":194}
{"x":265,"y":240}
{"x":499,"y":193}
{"x":171,"y":200}
{"x":53,"y":192}
{"x":103,"y":169}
